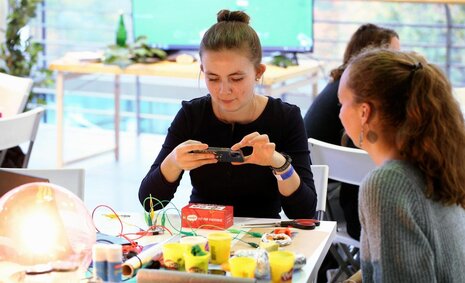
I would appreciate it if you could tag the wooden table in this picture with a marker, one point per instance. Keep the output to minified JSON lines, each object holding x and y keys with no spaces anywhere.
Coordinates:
{"x":276,"y":82}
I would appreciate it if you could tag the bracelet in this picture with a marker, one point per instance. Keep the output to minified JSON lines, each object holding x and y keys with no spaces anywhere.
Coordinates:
{"x":286,"y":175}
{"x":285,"y":165}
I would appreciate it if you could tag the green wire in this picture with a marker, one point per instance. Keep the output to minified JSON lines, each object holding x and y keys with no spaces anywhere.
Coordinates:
{"x":252,"y":244}
{"x":237,"y":231}
{"x":174,"y":228}
{"x":147,"y":212}
{"x":165,"y":218}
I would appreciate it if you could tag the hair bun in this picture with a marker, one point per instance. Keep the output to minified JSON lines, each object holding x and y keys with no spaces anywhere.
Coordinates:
{"x":232,"y":16}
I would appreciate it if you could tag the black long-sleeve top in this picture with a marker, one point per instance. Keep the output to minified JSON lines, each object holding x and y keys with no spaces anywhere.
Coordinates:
{"x":322,"y":118}
{"x":251,"y":189}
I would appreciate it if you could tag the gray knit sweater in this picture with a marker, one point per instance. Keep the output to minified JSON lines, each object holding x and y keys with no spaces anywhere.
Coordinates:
{"x":407,"y":237}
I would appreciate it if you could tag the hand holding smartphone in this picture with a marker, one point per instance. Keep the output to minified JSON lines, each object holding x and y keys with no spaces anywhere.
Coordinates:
{"x":223,"y":154}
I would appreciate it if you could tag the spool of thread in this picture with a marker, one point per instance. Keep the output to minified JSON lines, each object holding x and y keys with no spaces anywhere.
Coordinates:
{"x":114,"y":255}
{"x":99,"y":259}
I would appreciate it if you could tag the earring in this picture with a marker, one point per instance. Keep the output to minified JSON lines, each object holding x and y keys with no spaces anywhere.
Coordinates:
{"x":372,"y":137}
{"x":257,"y":79}
{"x":360,"y":138}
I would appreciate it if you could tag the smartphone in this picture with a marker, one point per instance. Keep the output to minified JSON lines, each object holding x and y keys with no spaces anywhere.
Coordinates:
{"x":224,"y":154}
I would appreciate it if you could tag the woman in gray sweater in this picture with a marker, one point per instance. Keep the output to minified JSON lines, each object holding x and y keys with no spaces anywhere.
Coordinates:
{"x":400,"y":109}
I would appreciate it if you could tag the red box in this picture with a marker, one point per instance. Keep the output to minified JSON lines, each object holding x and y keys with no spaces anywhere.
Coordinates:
{"x":207,"y":216}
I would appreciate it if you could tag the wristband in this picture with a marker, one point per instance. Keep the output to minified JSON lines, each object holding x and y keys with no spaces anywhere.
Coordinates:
{"x":285,"y":175}
{"x":285,"y":165}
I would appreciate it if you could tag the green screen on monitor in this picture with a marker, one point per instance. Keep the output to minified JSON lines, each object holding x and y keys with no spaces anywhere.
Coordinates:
{"x":180,"y":24}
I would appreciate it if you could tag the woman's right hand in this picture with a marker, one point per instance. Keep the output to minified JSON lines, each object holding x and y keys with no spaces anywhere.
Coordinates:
{"x":182,"y":158}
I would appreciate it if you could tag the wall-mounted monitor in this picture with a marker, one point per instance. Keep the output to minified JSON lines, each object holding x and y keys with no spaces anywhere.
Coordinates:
{"x":180,"y":24}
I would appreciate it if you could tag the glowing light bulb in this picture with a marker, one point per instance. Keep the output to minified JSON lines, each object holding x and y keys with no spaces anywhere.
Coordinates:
{"x":45,"y":228}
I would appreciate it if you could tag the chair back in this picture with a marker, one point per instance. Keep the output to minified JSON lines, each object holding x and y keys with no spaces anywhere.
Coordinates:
{"x":348,"y":165}
{"x":72,"y":179}
{"x":320,"y":177}
{"x":459,"y":95}
{"x":19,"y":129}
{"x":14,"y":94}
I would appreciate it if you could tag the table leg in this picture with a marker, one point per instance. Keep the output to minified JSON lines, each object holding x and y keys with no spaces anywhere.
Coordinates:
{"x":59,"y":93}
{"x":117,"y":115}
{"x":138,"y":105}
{"x":315,"y":86}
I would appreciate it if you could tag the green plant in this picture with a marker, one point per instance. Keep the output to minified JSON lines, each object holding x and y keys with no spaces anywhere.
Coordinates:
{"x":138,"y":52}
{"x":282,"y":61}
{"x":19,"y":56}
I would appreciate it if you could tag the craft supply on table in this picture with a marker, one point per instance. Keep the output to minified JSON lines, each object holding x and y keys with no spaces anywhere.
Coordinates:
{"x":196,"y":260}
{"x":173,"y":256}
{"x":243,"y":267}
{"x":282,"y":266}
{"x":153,"y":253}
{"x":220,"y":246}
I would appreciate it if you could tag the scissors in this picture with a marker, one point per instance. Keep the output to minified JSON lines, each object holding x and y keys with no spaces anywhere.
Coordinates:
{"x":304,"y":224}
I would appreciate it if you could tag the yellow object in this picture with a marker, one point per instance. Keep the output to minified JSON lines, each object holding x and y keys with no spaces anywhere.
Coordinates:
{"x":191,"y":241}
{"x":243,"y":267}
{"x":152,"y":213}
{"x":220,"y":246}
{"x":282,"y":265}
{"x":225,"y":266}
{"x":197,"y":264}
{"x":173,"y":256}
{"x":270,"y":246}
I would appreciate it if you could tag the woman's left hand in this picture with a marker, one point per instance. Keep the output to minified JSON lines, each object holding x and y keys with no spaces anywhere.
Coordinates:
{"x":263,"y":149}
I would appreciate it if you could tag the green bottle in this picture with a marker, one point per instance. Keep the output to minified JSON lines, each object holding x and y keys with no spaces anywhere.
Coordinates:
{"x":121,"y":34}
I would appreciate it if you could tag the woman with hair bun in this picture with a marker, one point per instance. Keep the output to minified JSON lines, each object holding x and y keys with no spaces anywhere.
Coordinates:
{"x":400,"y":109}
{"x":275,"y":172}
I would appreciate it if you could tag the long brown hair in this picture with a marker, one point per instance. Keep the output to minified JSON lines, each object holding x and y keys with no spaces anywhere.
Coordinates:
{"x":232,"y":31}
{"x":367,"y":35}
{"x":414,"y":102}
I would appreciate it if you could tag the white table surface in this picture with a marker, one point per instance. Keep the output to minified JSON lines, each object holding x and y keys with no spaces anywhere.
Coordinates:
{"x":314,"y":244}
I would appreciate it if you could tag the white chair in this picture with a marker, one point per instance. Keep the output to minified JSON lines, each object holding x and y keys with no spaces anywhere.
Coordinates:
{"x":14,"y":92}
{"x":320,"y":177}
{"x":348,"y":165}
{"x":69,"y":178}
{"x":459,"y":94}
{"x":19,"y":129}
